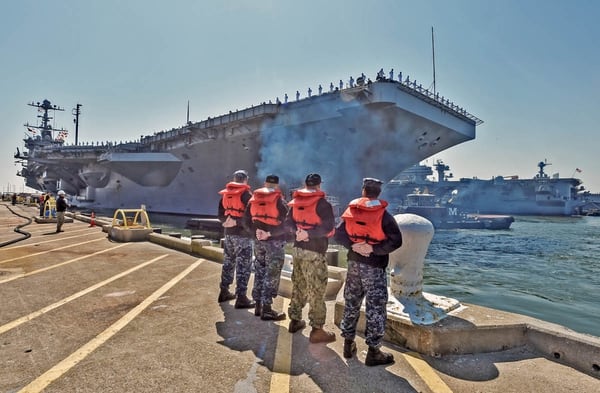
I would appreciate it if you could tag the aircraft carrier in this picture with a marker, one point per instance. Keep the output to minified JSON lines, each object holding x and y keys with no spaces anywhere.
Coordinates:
{"x":368,"y":128}
{"x":542,"y":194}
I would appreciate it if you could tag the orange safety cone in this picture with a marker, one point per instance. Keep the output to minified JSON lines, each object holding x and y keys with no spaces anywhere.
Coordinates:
{"x":93,"y":220}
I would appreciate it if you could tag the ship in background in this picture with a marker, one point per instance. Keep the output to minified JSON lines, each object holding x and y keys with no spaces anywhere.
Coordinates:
{"x":363,"y":129}
{"x":540,"y":195}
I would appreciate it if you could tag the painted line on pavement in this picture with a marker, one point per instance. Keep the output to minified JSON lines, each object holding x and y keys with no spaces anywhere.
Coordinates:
{"x":41,"y":382}
{"x":35,"y":314}
{"x":282,"y":362}
{"x":60,"y":239}
{"x":426,"y":372}
{"x":59,"y":264}
{"x":52,"y":250}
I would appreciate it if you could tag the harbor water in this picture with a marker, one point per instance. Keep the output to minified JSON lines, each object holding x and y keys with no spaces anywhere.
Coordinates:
{"x":544,"y":267}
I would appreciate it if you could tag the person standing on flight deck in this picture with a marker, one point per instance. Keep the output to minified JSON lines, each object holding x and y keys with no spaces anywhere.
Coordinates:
{"x":312,"y":219}
{"x":370,"y":234}
{"x":237,"y":255}
{"x":265,"y":215}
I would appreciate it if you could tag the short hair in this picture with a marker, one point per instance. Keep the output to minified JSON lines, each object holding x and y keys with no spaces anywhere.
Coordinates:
{"x":372,"y":187}
{"x":312,"y":179}
{"x":240,"y":175}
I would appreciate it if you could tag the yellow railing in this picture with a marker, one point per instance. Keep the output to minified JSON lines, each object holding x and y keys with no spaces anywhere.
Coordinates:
{"x":50,"y":208}
{"x":131,"y":219}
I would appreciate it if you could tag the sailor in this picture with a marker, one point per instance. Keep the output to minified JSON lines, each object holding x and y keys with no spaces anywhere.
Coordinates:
{"x":237,"y":256}
{"x":341,"y":84}
{"x":331,"y":87}
{"x":265,"y":215}
{"x":61,"y":208}
{"x":309,"y":92}
{"x":42,"y":202}
{"x":311,"y":219}
{"x":380,"y":75}
{"x":361,"y":79}
{"x":320,"y":89}
{"x":369,"y":233}
{"x":392,"y":74}
{"x":285,"y":98}
{"x":297,"y":95}
{"x":351,"y":81}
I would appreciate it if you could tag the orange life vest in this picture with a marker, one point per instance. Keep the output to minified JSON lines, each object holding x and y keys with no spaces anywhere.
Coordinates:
{"x":232,"y":199}
{"x":263,"y":206}
{"x":363,"y":219}
{"x":305,"y":209}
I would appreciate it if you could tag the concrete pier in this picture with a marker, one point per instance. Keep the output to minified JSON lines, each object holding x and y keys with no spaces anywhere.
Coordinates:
{"x":81,"y":313}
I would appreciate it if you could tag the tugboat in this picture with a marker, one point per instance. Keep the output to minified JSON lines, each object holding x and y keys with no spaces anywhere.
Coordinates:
{"x":449,"y":217}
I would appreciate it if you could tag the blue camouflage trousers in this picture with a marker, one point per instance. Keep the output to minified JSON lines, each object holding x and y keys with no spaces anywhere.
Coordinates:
{"x":365,"y":280}
{"x":237,"y":259}
{"x":269,"y":257}
{"x":309,"y":284}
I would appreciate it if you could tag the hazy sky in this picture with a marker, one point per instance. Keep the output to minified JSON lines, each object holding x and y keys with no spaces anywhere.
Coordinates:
{"x":529,"y":69}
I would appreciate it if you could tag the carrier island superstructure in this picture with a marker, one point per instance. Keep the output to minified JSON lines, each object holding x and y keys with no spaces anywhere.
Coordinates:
{"x":372,"y":129}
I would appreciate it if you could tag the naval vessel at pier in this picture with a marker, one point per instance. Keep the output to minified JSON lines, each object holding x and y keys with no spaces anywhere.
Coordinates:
{"x":542,"y":194}
{"x":359,"y":130}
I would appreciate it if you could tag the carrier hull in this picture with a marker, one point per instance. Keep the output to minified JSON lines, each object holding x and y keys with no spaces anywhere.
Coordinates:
{"x":376,"y":130}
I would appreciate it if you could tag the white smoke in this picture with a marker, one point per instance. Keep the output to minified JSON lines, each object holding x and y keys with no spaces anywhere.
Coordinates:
{"x":343,"y":146}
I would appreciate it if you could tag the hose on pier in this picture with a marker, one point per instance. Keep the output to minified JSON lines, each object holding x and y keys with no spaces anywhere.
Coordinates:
{"x":26,"y":235}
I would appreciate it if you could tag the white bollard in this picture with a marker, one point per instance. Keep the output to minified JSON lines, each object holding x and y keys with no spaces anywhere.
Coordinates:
{"x":406,"y":274}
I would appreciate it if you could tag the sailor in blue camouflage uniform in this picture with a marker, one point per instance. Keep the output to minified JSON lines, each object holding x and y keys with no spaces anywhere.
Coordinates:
{"x":369,"y":233}
{"x":265,"y":215}
{"x":237,"y":255}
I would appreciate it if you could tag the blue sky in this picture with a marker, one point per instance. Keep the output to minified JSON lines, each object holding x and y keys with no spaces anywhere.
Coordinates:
{"x":529,"y":69}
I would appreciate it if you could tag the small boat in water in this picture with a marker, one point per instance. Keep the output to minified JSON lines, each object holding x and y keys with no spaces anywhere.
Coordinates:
{"x":449,"y":217}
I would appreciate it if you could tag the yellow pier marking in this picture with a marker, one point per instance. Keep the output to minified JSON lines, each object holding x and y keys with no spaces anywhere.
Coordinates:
{"x":427,"y":374}
{"x":282,"y":363}
{"x":35,"y":314}
{"x":59,"y":264}
{"x":41,"y":382}
{"x":54,"y":249}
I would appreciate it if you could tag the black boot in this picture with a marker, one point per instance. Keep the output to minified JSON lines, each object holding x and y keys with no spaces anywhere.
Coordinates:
{"x":376,"y":357}
{"x":349,"y":348}
{"x":296,"y":325}
{"x":242,"y":301}
{"x":225,"y":295}
{"x":268,"y":314}
{"x":258,"y":309}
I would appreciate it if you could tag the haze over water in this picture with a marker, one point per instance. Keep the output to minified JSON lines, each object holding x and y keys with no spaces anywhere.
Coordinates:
{"x":544,"y":267}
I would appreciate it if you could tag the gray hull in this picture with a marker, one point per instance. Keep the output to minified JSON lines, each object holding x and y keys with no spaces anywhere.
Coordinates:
{"x":374,"y":130}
